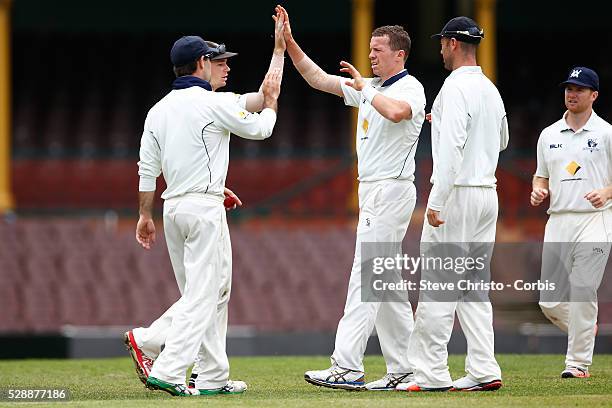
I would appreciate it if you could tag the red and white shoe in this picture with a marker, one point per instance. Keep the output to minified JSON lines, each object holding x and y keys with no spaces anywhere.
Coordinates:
{"x":575,"y":372}
{"x":468,"y":384}
{"x":142,"y":363}
{"x":414,"y":387}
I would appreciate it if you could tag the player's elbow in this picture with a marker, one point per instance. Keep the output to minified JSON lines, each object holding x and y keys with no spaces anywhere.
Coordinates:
{"x":396,"y":115}
{"x":263,"y":133}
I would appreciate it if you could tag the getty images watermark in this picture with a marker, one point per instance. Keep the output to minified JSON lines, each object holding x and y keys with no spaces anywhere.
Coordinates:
{"x":451,"y":272}
{"x":459,"y":266}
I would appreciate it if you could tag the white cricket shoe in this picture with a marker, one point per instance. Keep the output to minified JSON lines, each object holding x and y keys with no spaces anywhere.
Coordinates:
{"x":575,"y":372}
{"x":232,"y":387}
{"x":337,"y":377}
{"x":468,"y":384}
{"x":389,"y":382}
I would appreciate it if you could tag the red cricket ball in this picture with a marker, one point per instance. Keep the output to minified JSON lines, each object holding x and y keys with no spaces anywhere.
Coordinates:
{"x":229,"y":202}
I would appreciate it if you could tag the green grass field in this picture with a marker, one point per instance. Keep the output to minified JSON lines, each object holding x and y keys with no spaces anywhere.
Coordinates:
{"x":529,"y":381}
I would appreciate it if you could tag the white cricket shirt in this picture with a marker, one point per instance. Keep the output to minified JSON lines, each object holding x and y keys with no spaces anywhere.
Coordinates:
{"x":575,"y":163}
{"x":385,"y":150}
{"x":186,"y":136}
{"x":468,"y":130}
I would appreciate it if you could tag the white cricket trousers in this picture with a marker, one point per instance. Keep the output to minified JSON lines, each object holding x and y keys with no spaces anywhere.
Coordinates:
{"x":385,"y":209}
{"x":152,"y":338}
{"x":470,"y":215}
{"x":194,"y":327}
{"x":576,"y":250}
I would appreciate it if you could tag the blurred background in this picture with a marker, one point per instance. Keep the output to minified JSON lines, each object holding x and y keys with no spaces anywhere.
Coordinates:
{"x":77,"y":79}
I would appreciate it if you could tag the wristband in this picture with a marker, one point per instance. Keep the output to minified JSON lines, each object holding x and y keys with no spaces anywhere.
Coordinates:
{"x":369,"y":93}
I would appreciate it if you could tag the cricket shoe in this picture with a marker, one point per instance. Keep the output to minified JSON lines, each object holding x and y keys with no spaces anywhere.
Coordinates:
{"x":177,"y":390}
{"x":575,"y":372}
{"x":389,"y":382}
{"x":414,"y":387}
{"x":232,"y":387}
{"x":337,"y":377}
{"x":142,"y":363}
{"x":467,"y":384}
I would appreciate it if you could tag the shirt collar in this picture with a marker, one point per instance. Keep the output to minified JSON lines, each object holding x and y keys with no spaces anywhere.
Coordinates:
{"x":588,"y":126}
{"x":468,"y":69}
{"x":393,"y":79}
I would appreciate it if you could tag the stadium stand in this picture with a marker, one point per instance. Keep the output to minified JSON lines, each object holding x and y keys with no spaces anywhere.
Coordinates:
{"x":58,"y":272}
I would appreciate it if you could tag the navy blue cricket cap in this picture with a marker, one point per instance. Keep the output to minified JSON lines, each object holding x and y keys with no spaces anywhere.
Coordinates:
{"x":188,"y":49}
{"x":463,"y":29}
{"x":582,"y":76}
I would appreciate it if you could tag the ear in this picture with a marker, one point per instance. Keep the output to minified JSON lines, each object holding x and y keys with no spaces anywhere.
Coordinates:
{"x":595,"y":95}
{"x":402,"y":54}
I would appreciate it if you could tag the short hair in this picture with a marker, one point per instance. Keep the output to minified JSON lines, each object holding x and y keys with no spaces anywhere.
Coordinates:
{"x":398,"y":38}
{"x":186,"y":69}
{"x":468,"y":48}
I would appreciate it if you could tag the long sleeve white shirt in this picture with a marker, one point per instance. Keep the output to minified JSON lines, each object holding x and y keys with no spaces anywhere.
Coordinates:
{"x":186,"y":137}
{"x":469,"y":129}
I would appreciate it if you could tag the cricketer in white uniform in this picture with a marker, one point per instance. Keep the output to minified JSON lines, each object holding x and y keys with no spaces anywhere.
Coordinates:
{"x":150,"y":340}
{"x":469,"y":129}
{"x":186,"y":136}
{"x":575,"y":169}
{"x":391,"y":113}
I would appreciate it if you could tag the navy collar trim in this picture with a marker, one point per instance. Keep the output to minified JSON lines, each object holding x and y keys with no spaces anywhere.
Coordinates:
{"x":395,"y":78}
{"x":187,"y":81}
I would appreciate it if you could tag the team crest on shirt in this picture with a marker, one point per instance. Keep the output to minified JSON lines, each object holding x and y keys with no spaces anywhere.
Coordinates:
{"x":573,"y":168}
{"x":243,"y":114}
{"x":365,"y":126}
{"x":592,"y":145}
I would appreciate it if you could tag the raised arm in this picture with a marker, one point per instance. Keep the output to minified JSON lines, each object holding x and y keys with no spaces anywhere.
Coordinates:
{"x":257,"y":126}
{"x":308,"y":69}
{"x":255,"y":100}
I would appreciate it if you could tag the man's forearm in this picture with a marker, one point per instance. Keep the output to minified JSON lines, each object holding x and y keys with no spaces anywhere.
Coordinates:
{"x":145,"y":203}
{"x":255,"y":100}
{"x":390,"y":108}
{"x":270,"y":102}
{"x":295,"y":52}
{"x":539,"y":182}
